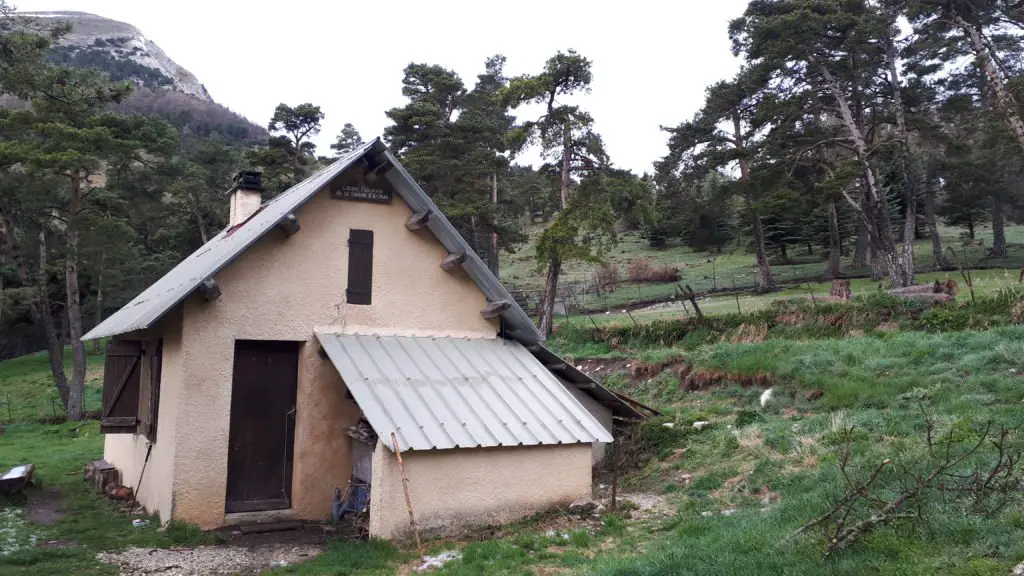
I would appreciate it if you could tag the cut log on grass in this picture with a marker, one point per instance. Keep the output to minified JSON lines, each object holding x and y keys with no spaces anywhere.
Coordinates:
{"x":949,"y":287}
{"x":930,"y":298}
{"x":841,"y":289}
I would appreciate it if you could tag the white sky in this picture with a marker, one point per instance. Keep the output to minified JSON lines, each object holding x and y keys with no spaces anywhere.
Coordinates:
{"x":652,"y":59}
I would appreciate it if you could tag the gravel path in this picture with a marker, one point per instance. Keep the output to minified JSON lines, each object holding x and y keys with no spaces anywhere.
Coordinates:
{"x":207,"y":560}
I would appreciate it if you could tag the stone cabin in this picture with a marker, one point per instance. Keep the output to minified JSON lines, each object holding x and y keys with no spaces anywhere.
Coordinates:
{"x":289,"y":355}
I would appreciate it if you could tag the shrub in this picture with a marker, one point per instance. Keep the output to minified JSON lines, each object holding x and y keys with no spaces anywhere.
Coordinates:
{"x":606,"y":277}
{"x":643,"y":270}
{"x":639,"y":269}
{"x":746,"y":418}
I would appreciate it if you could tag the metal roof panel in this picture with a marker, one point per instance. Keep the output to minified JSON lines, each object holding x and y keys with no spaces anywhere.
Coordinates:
{"x":442,"y":393}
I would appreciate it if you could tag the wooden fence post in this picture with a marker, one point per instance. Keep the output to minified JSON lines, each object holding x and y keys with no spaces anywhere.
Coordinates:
{"x":405,"y":488}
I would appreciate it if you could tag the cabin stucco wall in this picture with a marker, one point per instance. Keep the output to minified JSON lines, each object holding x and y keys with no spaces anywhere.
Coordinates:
{"x":451,"y":489}
{"x":280,"y":289}
{"x":127,"y":452}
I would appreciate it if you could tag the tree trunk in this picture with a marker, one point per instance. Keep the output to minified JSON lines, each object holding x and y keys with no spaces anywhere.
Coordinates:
{"x":76,"y":390}
{"x":998,"y":230}
{"x":875,"y":208}
{"x":200,"y":221}
{"x":835,"y":244}
{"x":860,"y":249}
{"x":566,"y":166}
{"x":877,"y":266}
{"x":547,"y":304}
{"x":492,"y":248}
{"x":1004,"y":98}
{"x":909,"y":230}
{"x":907,"y":163}
{"x":933,"y":226}
{"x":970,"y":228}
{"x":765,"y":282}
{"x":99,"y":302}
{"x":40,"y":305}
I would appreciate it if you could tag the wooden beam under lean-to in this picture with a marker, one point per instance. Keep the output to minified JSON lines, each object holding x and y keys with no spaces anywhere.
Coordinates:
{"x":494,"y":309}
{"x":453,"y":261}
{"x":209,"y":289}
{"x":418,"y":220}
{"x":290,"y":224}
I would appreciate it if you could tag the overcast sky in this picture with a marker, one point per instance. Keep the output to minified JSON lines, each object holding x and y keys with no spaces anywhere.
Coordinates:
{"x":652,"y":59}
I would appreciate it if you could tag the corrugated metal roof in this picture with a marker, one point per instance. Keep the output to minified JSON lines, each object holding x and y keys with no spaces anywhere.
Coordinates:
{"x":585,"y":383}
{"x":160,"y":298}
{"x":440,"y":393}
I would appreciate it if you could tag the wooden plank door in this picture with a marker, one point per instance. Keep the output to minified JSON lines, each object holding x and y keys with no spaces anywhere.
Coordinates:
{"x":262,"y":434}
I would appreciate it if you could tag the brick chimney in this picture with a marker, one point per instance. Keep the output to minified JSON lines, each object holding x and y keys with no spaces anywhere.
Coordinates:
{"x":244,"y":196}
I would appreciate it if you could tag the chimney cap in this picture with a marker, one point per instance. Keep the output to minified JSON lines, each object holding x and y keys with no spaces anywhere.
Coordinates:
{"x":248,"y":180}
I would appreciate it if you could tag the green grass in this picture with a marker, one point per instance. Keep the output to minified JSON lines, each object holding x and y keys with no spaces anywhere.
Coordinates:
{"x":985,"y":283}
{"x":519,"y":271}
{"x":963,"y":380}
{"x":27,"y":392}
{"x":93,"y":523}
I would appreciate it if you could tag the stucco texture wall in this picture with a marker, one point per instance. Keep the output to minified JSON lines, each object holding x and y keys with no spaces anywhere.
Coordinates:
{"x":451,"y":489}
{"x":127,"y":452}
{"x":280,"y":289}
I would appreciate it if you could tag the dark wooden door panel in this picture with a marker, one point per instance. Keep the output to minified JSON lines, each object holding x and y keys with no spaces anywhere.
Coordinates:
{"x":262,"y":433}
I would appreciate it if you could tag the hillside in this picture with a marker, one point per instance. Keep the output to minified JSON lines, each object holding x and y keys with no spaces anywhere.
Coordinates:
{"x":163,"y":87}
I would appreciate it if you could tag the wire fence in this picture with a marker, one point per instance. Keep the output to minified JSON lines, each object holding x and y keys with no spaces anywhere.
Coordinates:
{"x":589,"y":292}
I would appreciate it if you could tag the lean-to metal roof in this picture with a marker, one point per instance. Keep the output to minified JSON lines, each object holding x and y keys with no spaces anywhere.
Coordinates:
{"x":441,"y":393}
{"x":167,"y":292}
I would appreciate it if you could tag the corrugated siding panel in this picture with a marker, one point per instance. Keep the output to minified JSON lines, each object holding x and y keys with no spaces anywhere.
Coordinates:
{"x":440,"y":393}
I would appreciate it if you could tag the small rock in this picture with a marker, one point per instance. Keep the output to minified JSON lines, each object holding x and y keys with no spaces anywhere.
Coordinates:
{"x":669,"y":425}
{"x":766,"y":397}
{"x":728,"y":512}
{"x":685,"y":478}
{"x":706,"y":514}
{"x":585,"y":506}
{"x":701,"y":424}
{"x":1013,"y":370}
{"x":1019,"y":570}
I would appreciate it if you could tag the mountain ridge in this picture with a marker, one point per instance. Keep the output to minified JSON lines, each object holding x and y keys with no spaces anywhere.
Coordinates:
{"x":163,"y":87}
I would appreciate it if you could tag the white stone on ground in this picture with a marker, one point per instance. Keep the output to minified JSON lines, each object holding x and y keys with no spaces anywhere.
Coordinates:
{"x":766,"y":397}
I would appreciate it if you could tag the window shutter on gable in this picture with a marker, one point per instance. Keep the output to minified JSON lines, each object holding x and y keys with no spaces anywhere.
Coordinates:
{"x":121,"y":375}
{"x":360,"y":267}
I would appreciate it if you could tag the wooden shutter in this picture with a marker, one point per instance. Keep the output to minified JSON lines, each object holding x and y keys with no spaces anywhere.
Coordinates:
{"x":121,"y":374}
{"x":360,"y":267}
{"x":149,"y":389}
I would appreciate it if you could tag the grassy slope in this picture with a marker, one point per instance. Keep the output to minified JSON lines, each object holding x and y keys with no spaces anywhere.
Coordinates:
{"x":963,"y":381}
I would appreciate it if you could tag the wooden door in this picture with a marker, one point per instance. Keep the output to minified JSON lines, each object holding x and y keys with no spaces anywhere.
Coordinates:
{"x":260,"y":445}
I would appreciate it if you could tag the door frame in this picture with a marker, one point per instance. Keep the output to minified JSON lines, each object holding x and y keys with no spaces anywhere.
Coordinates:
{"x":288,"y":350}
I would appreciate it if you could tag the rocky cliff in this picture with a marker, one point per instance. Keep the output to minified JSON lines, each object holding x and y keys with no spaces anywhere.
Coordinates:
{"x":164,"y":88}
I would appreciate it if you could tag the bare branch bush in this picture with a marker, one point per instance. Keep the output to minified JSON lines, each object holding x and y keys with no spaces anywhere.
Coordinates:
{"x":982,"y":477}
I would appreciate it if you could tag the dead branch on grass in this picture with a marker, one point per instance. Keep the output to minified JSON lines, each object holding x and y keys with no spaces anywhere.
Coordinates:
{"x":888,"y":492}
